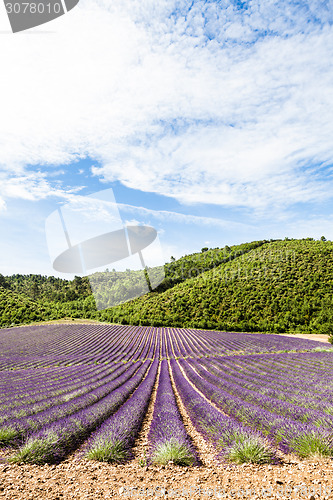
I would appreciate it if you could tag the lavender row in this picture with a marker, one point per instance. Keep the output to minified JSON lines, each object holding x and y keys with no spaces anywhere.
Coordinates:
{"x":282,"y":430}
{"x":68,"y":344}
{"x":272,"y":366}
{"x":315,"y":411}
{"x":298,"y":364}
{"x":113,"y":441}
{"x":65,"y":396}
{"x":77,"y":380}
{"x":258,"y":372}
{"x":32,"y":387}
{"x":79,"y":344}
{"x":167,"y":436}
{"x":57,"y":338}
{"x":264,"y":383}
{"x":68,"y":411}
{"x":224,"y":342}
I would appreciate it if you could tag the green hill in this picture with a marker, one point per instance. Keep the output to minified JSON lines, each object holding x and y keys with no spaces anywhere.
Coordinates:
{"x":266,"y":286}
{"x":279,"y":286}
{"x":122,"y":286}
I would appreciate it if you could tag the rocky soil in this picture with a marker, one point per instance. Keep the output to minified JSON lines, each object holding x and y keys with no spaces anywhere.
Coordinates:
{"x":77,"y":478}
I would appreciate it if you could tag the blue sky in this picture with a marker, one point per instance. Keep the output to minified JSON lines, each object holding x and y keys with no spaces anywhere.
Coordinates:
{"x":210,"y":120}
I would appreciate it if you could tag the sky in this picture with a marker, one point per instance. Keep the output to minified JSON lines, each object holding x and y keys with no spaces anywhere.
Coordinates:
{"x":211,"y":121}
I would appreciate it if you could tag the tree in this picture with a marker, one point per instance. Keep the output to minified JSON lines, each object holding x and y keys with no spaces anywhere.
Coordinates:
{"x":147,"y":279}
{"x":34,"y":290}
{"x":323,"y":238}
{"x":3,"y":282}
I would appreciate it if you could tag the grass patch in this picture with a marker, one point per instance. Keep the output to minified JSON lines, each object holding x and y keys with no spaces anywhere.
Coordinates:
{"x":37,"y":451}
{"x":250,"y":450}
{"x":175,"y":451}
{"x":7,"y":435}
{"x":108,"y":451}
{"x":313,"y":445}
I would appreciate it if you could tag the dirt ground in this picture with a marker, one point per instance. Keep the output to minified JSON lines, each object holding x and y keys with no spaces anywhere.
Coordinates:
{"x":88,"y":480}
{"x":316,"y":336}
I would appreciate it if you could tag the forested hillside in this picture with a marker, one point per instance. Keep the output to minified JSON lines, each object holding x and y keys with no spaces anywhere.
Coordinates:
{"x":277,"y":287}
{"x":122,"y":286}
{"x":28,"y":298}
{"x":267,"y":286}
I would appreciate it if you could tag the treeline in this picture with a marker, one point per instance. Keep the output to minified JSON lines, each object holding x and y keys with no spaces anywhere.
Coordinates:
{"x":48,"y":288}
{"x":27,"y":298}
{"x":17,"y":309}
{"x":191,"y":266}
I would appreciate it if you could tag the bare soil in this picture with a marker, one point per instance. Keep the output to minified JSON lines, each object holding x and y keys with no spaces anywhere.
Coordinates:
{"x":81,"y":479}
{"x":315,"y":336}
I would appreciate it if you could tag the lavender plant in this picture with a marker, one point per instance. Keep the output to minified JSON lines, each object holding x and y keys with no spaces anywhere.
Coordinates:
{"x":18,"y":429}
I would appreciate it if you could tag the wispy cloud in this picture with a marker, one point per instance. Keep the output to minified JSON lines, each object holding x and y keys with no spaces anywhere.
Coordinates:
{"x":168,"y":216}
{"x":213,"y":102}
{"x":32,"y":186}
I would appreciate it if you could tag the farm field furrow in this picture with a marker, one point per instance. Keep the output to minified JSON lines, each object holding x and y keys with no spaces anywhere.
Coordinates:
{"x":252,"y":397}
{"x":22,"y":426}
{"x":223,"y":431}
{"x":54,"y":441}
{"x":114,"y":439}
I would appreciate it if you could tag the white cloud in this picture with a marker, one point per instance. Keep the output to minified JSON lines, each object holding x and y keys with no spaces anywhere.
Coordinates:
{"x":31,"y":186}
{"x":197,"y":105}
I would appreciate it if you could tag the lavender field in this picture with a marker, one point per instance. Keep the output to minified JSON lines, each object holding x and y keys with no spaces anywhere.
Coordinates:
{"x":83,"y":387}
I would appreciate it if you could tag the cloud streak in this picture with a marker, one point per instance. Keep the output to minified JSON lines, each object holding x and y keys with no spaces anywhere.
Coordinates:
{"x":176,"y":217}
